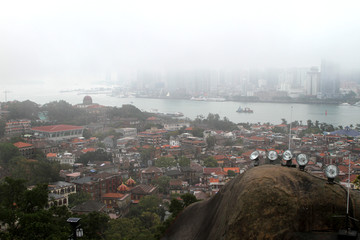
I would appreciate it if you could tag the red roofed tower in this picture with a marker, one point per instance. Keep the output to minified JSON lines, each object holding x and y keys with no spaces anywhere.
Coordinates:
{"x":122,"y":188}
{"x":130,"y":182}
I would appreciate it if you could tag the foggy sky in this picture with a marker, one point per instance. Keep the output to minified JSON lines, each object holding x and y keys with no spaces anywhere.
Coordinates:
{"x":60,"y":42}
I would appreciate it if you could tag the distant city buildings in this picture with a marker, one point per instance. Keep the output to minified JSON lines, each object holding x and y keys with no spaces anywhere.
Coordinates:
{"x":312,"y":86}
{"x":322,"y":82}
{"x":330,"y":79}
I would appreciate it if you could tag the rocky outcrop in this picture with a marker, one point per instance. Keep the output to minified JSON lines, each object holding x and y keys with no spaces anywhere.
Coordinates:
{"x":266,"y":202}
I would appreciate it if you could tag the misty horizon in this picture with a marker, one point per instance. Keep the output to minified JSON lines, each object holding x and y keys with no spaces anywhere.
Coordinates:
{"x":46,"y":42}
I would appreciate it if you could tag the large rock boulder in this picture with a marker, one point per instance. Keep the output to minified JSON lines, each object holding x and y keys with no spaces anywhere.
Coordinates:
{"x":267,"y":202}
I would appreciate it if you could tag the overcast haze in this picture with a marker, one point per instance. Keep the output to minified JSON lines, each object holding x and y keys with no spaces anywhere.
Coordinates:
{"x":52,"y":42}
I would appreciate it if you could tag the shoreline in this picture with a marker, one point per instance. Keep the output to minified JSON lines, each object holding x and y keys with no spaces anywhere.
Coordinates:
{"x":325,"y":102}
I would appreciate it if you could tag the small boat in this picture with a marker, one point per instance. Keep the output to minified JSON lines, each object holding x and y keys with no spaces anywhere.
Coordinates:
{"x":244,"y":110}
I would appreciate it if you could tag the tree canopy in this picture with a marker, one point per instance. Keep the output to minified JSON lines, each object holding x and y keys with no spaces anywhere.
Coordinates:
{"x":210,"y":162}
{"x":98,"y":156}
{"x":24,"y":212}
{"x":165,"y":162}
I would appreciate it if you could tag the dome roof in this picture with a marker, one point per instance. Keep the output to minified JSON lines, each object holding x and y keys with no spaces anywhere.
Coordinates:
{"x":130,"y":181}
{"x":122,"y":188}
{"x":87,"y":100}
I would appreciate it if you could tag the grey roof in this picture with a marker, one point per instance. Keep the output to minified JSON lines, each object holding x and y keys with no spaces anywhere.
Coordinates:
{"x":346,"y":131}
{"x":143,"y":189}
{"x":83,"y":180}
{"x":173,"y":173}
{"x":89,"y":206}
{"x":61,"y":184}
{"x":54,"y":196}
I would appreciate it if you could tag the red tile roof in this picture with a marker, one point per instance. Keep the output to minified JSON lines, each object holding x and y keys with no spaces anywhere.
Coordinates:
{"x":216,"y":170}
{"x":113,"y":195}
{"x":56,"y":128}
{"x":256,"y":138}
{"x":234,"y":169}
{"x":152,"y":118}
{"x":49,"y":155}
{"x":212,"y":180}
{"x":88,"y":150}
{"x":22,"y":145}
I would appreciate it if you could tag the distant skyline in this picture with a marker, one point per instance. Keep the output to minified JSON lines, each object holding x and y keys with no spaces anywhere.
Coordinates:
{"x":56,"y":43}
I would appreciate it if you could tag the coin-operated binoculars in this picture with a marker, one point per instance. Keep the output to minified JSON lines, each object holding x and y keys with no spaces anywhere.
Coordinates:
{"x":255,"y":157}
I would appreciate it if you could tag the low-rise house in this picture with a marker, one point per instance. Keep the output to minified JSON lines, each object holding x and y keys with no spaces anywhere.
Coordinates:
{"x":26,"y":149}
{"x":98,"y":184}
{"x":127,"y":132}
{"x":178,"y":186}
{"x":174,"y":174}
{"x":17,"y":127}
{"x":59,"y":193}
{"x":150,"y":173}
{"x":65,"y":158}
{"x":89,"y":207}
{"x":117,"y":202}
{"x":141,"y":191}
{"x":58,"y":132}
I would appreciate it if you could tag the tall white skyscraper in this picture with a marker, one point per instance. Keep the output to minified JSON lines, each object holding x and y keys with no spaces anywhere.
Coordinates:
{"x":312,"y":84}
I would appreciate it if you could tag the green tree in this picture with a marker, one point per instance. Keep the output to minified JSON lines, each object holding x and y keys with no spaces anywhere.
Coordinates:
{"x":231,"y":173}
{"x":278,"y":130}
{"x":165,"y":162}
{"x":78,"y":198}
{"x":24,"y":212}
{"x":150,"y":220}
{"x":197,"y":132}
{"x":129,"y":229}
{"x":34,"y":171}
{"x":7,"y":152}
{"x":23,"y":110}
{"x":95,"y":225}
{"x":210,"y":162}
{"x":184,"y":161}
{"x":357,"y":181}
{"x":150,"y":203}
{"x":63,"y":112}
{"x":188,"y":199}
{"x":87,"y":133}
{"x":163,"y":183}
{"x":98,"y":156}
{"x":2,"y":127}
{"x":146,"y":154}
{"x":309,"y":123}
{"x":176,"y":207}
{"x":210,"y":141}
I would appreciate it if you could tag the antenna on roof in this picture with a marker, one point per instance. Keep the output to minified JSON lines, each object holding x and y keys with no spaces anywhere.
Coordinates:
{"x":348,"y":233}
{"x":290,"y":128}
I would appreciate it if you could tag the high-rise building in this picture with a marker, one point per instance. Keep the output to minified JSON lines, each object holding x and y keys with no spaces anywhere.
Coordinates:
{"x":329,"y":79}
{"x":312,"y":84}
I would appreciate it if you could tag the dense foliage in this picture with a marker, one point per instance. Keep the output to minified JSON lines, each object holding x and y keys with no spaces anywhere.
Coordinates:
{"x":99,"y":155}
{"x":24,"y":212}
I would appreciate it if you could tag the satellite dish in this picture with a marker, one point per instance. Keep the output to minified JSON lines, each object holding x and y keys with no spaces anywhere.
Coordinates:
{"x":287,"y":155}
{"x":272,"y":156}
{"x":255,"y":157}
{"x":302,"y":160}
{"x":331,"y":172}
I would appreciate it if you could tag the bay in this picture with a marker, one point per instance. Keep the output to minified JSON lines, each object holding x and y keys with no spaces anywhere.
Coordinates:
{"x":263,"y":112}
